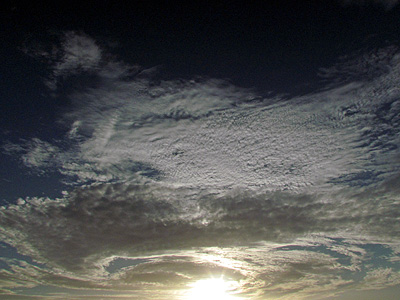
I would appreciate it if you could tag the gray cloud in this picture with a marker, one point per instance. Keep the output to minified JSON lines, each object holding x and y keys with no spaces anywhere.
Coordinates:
{"x":77,"y":233}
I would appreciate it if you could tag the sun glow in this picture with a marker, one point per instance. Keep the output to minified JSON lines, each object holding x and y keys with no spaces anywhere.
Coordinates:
{"x":211,"y":289}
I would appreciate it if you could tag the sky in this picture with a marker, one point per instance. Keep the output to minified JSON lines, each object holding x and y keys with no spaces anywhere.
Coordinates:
{"x":200,"y":151}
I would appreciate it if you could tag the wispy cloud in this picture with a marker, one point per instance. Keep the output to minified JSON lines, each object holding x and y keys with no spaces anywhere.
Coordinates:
{"x":75,"y":53}
{"x":36,"y":154}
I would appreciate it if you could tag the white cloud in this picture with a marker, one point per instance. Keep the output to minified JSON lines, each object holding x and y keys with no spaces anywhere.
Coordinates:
{"x":209,"y":133}
{"x":212,"y":134}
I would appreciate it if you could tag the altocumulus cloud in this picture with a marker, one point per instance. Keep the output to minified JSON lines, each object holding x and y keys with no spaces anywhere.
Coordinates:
{"x":186,"y":178}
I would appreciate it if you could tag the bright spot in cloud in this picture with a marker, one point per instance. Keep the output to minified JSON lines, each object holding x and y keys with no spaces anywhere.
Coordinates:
{"x":211,"y":289}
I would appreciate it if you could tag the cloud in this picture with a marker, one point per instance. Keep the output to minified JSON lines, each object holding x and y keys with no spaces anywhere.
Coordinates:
{"x":209,"y":133}
{"x":282,"y":195}
{"x":362,"y":65}
{"x":177,"y":233}
{"x":35,"y":154}
{"x":382,"y":277}
{"x":76,"y":54}
{"x":155,"y":136}
{"x":79,"y":52}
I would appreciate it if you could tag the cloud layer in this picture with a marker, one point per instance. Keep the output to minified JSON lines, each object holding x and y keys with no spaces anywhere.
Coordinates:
{"x":269,"y":243}
{"x":209,"y":133}
{"x":176,"y":180}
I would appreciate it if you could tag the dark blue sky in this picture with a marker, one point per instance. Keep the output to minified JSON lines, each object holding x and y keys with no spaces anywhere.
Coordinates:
{"x":277,"y":47}
{"x":252,"y":45}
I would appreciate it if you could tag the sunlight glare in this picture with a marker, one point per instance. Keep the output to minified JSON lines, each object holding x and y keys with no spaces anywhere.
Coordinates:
{"x":211,"y":289}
